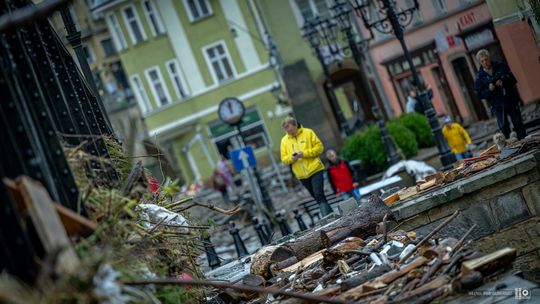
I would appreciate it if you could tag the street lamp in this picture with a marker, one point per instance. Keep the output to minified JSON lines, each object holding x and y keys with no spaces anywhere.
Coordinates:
{"x":341,"y":14}
{"x":313,"y":31}
{"x":382,"y":16}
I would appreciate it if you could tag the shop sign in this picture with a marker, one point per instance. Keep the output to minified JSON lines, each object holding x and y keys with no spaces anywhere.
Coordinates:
{"x":479,"y":39}
{"x":467,"y":20}
{"x":221,"y":128}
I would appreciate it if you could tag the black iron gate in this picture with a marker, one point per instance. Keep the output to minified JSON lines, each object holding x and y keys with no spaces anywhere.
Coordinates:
{"x":45,"y":102}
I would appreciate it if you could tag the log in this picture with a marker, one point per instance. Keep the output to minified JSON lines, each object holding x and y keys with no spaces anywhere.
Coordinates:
{"x":490,"y":262}
{"x":364,"y":277}
{"x":262,"y":261}
{"x":363,"y":221}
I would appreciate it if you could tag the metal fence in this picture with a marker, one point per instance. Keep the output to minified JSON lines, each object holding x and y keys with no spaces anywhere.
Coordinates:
{"x":45,"y":102}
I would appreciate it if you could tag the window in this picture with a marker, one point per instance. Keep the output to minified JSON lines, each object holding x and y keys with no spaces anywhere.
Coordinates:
{"x":219,"y":61}
{"x":118,"y":36}
{"x":417,"y":15}
{"x":153,"y":18}
{"x":108,"y":47}
{"x":178,"y":81}
{"x":90,"y":57}
{"x":160,"y":92}
{"x":311,"y":8}
{"x":440,"y":7}
{"x":140,"y":94}
{"x":133,"y":24}
{"x":197,"y":9}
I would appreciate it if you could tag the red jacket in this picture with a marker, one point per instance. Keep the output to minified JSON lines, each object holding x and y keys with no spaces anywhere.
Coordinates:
{"x":341,"y":176}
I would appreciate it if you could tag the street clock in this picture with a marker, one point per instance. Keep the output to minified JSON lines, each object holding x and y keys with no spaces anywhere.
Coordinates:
{"x":231,"y":110}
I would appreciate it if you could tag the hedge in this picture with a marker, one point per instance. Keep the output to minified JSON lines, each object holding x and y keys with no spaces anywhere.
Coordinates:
{"x":420,"y":127}
{"x":368,"y":147}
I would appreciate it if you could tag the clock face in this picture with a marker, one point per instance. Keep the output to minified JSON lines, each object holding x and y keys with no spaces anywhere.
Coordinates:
{"x":231,"y":110}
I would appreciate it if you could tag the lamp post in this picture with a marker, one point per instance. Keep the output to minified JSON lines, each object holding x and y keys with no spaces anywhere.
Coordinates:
{"x":382,"y":16}
{"x":312,"y":33}
{"x":341,"y":14}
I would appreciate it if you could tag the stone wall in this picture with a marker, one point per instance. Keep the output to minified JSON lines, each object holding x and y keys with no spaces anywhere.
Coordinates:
{"x":504,"y":201}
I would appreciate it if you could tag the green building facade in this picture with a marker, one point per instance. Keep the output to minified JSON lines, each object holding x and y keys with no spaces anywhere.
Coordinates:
{"x":182,"y":58}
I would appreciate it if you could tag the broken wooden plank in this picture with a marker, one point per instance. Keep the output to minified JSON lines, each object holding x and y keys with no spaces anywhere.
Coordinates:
{"x":317,"y":256}
{"x":48,"y":225}
{"x":407,"y":192}
{"x":491,"y":262}
{"x":75,"y":224}
{"x":427,"y":185}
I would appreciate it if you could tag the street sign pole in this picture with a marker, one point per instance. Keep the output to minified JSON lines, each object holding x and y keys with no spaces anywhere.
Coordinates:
{"x":243,"y":157}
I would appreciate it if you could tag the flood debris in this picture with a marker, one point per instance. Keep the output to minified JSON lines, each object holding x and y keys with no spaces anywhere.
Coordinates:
{"x":379,"y":263}
{"x":502,"y":151}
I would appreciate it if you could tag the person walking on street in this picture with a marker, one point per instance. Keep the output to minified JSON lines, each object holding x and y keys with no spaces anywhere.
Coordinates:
{"x":413,"y":104}
{"x":225,"y":168}
{"x":220,"y":184}
{"x":495,"y":83}
{"x":301,"y":148}
{"x":341,"y":176}
{"x":458,"y":139}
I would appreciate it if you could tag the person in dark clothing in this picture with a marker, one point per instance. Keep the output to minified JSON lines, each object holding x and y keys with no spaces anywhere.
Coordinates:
{"x":495,"y":83}
{"x":219,"y":181}
{"x":341,"y":176}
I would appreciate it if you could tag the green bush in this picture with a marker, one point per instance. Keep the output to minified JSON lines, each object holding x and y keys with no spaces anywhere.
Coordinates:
{"x":403,"y":137}
{"x":368,"y":147}
{"x":419,"y":125}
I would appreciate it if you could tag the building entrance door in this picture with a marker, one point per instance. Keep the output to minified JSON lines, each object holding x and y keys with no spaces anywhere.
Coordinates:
{"x":466,"y":85}
{"x":352,"y":98}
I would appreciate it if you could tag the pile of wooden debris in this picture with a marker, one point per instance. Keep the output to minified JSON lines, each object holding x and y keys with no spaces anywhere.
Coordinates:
{"x":502,"y":151}
{"x":342,"y":263}
{"x":132,"y":232}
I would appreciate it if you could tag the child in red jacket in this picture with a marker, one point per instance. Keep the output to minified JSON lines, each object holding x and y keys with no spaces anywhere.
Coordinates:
{"x":341,"y":176}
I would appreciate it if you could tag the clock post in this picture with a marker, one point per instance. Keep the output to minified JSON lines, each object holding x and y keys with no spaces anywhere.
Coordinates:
{"x":231,"y":111}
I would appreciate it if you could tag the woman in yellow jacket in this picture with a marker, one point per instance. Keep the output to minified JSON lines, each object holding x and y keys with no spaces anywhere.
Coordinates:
{"x":458,"y":139}
{"x":301,"y":148}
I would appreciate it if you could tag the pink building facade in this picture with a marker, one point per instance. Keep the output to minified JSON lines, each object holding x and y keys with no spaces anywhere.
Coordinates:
{"x":442,"y":41}
{"x":522,"y":54}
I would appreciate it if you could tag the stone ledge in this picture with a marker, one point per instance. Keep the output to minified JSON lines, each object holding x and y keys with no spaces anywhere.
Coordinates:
{"x":490,"y":176}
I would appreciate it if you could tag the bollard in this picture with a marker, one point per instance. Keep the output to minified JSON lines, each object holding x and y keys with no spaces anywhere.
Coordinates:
{"x":283,"y":226}
{"x":238,"y":243}
{"x":316,"y":217}
{"x":267,"y":227}
{"x":211,"y":255}
{"x":263,"y":237}
{"x":299,"y":220}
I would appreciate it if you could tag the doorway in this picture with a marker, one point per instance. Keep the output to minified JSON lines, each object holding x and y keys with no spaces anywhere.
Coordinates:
{"x":466,"y":85}
{"x":445,"y":93}
{"x":352,"y":98}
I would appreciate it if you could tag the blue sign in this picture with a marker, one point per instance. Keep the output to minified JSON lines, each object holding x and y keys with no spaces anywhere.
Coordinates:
{"x":243,"y":158}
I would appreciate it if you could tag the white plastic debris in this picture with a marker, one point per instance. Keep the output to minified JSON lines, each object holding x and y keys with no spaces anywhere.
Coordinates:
{"x":107,"y":288}
{"x":318,"y":288}
{"x":152,"y":214}
{"x":406,"y":251}
{"x":418,"y":170}
{"x":375,"y":258}
{"x":384,"y":258}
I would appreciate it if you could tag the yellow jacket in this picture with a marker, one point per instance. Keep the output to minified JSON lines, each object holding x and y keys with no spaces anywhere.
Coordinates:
{"x":456,"y":137}
{"x":308,"y":143}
